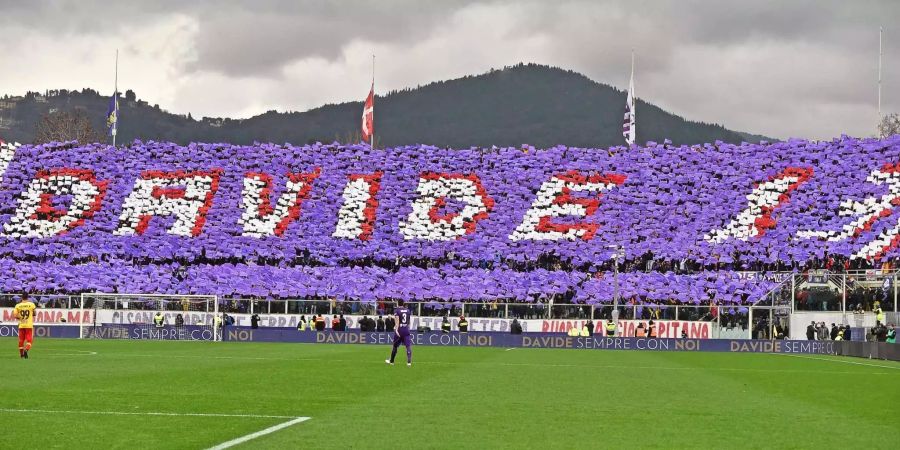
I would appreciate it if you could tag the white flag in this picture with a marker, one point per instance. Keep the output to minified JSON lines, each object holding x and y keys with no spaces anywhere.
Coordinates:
{"x":629,"y":125}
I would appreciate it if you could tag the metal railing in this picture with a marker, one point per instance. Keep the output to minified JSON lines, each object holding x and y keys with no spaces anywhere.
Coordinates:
{"x":857,"y":291}
{"x":727,"y":321}
{"x":812,"y":291}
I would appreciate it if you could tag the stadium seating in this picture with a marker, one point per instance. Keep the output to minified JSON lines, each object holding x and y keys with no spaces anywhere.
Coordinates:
{"x":421,"y":222}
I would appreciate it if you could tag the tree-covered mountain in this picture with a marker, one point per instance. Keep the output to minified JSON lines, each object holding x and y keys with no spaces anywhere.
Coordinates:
{"x":524,"y":104}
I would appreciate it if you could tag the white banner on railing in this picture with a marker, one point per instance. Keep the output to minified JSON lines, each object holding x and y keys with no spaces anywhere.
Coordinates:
{"x":665,"y":328}
{"x":52,"y":316}
{"x":625,"y":328}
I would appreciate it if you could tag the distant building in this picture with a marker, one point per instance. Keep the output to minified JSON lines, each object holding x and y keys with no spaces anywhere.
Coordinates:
{"x":214,"y":122}
{"x":8,"y":104}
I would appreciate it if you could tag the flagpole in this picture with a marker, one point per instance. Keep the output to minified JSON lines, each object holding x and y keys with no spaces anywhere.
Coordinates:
{"x":880,"y":55}
{"x":632,"y":70}
{"x":116,"y":100}
{"x":633,"y":101}
{"x":372,"y":143}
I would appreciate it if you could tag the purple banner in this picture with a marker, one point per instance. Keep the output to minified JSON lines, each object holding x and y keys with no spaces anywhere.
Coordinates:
{"x":529,"y":340}
{"x":63,"y":331}
{"x":151,"y":332}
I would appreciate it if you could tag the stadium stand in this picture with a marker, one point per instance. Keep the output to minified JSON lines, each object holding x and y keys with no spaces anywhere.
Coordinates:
{"x":426,"y":223}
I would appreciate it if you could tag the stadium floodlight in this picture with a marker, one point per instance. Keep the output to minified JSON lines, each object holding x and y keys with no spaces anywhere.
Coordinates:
{"x":150,"y":316}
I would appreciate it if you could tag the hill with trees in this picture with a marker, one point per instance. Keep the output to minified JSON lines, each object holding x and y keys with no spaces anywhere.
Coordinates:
{"x":524,"y":104}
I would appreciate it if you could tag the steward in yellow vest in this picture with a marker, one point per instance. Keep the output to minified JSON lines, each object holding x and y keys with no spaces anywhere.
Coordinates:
{"x":610,"y":328}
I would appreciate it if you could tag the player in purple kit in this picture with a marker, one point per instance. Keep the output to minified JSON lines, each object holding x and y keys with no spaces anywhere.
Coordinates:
{"x":401,"y":333}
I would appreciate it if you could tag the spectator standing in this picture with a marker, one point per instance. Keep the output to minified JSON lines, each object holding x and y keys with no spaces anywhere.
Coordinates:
{"x":343,"y":323}
{"x":379,"y":324}
{"x":590,"y":327}
{"x":389,"y":324}
{"x":880,"y":332}
{"x":823,"y":332}
{"x":834,"y":331}
{"x":254,"y":321}
{"x":811,"y":331}
{"x":515,"y":327}
{"x":848,"y":334}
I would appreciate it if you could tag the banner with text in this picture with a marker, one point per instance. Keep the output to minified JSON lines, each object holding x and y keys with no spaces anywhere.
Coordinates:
{"x":492,"y":339}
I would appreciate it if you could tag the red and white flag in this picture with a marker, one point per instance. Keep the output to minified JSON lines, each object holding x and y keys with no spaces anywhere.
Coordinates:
{"x":368,"y":117}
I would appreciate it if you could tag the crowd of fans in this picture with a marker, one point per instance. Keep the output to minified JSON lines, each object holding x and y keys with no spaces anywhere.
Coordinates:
{"x":680,"y":224}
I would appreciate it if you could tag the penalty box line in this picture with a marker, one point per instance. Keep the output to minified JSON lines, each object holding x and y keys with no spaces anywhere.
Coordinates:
{"x":259,"y":433}
{"x":240,"y":440}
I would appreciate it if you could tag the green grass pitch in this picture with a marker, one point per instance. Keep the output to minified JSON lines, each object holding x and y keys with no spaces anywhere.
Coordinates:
{"x":451,"y":397}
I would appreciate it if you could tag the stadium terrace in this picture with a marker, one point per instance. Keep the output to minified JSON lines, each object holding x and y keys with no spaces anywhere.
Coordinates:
{"x":329,"y":210}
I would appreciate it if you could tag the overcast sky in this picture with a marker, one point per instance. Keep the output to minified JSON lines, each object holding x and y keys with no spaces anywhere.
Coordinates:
{"x":781,"y":68}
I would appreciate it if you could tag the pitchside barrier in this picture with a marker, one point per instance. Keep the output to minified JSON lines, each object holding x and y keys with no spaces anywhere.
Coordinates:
{"x":724,"y":322}
{"x":872,"y":350}
{"x":558,"y":341}
{"x":695,"y":329}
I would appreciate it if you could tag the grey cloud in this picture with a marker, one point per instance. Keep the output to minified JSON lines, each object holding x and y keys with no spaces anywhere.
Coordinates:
{"x":698,"y":58}
{"x":244,"y":38}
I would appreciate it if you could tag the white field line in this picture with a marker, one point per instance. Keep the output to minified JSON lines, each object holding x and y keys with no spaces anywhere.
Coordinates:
{"x":137,"y":413}
{"x":447,"y":363}
{"x":79,"y":353}
{"x":838,"y":361}
{"x":259,"y":433}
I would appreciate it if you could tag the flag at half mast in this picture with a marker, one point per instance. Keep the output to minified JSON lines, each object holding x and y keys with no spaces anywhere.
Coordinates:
{"x":112,"y":114}
{"x":368,"y":117}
